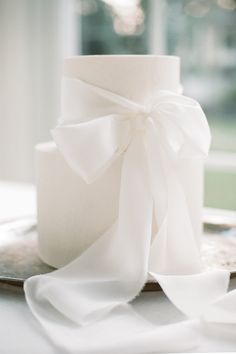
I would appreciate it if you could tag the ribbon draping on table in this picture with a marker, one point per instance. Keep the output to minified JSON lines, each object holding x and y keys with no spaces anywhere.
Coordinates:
{"x":151,"y":138}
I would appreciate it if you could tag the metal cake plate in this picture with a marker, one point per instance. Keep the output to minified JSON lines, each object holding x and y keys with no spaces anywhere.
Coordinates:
{"x":19,"y":254}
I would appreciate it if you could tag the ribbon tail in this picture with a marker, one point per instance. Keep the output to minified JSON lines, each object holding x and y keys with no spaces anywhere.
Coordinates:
{"x":174,"y":249}
{"x":114,"y":269}
{"x":195,"y":294}
{"x":175,"y":258}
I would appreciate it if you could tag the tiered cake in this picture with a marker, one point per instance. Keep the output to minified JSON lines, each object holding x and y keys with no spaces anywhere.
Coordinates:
{"x":71,"y":213}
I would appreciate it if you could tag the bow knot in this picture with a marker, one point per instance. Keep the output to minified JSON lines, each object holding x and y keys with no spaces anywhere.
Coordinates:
{"x":139,"y":121}
{"x":147,"y":109}
{"x":142,"y":116}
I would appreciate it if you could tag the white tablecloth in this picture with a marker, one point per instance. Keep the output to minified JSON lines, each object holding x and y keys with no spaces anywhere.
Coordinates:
{"x":21,"y":334}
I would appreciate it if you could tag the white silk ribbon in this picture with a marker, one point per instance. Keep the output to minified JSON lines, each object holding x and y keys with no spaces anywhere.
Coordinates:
{"x":151,"y":138}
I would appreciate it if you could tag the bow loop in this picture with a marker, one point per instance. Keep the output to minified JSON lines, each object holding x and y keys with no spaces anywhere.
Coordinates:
{"x":183,"y":123}
{"x":89,"y":148}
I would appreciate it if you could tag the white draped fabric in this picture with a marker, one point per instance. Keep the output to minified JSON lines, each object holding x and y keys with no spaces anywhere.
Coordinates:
{"x":84,"y":306}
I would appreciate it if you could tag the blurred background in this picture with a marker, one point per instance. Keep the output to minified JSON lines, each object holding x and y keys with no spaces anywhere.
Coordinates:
{"x":36,"y":35}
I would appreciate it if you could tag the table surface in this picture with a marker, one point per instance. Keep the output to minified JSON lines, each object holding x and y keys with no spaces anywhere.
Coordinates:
{"x":19,"y":331}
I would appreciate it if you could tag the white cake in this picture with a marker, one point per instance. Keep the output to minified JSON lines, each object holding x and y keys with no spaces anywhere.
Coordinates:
{"x":71,"y":213}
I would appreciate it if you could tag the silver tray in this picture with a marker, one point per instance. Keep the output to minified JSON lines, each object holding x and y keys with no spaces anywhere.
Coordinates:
{"x":19,"y":258}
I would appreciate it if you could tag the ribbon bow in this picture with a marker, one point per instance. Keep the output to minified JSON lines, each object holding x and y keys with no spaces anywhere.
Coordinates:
{"x":152,"y":139}
{"x":176,"y":121}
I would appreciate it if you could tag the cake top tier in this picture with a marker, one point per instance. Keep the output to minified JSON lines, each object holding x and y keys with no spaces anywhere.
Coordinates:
{"x":132,"y":76}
